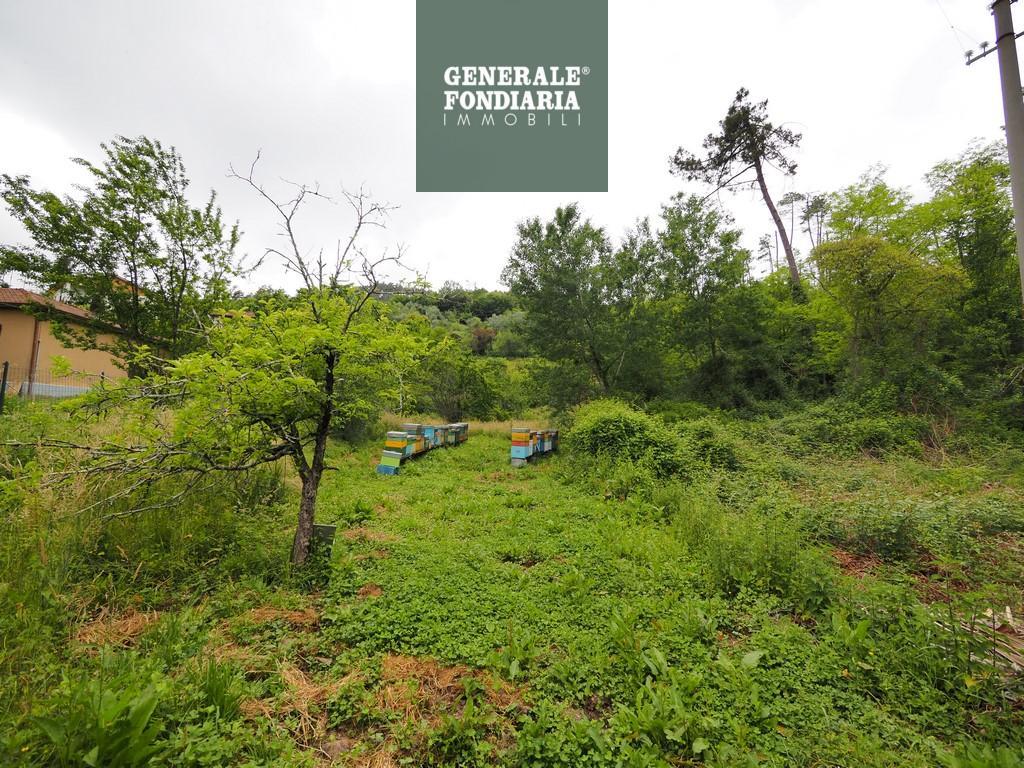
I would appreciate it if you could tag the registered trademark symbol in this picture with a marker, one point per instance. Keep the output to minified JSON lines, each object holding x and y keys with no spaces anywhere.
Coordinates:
{"x":586,"y":70}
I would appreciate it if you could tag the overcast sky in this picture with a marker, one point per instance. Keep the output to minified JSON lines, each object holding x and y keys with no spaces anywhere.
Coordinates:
{"x":326,"y":90}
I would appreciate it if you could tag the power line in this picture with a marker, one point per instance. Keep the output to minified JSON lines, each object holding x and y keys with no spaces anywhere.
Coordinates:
{"x":956,"y":34}
{"x":964,"y":49}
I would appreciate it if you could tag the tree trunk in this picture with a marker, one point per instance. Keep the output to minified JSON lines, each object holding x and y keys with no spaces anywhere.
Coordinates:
{"x":599,"y":369}
{"x":311,"y":477}
{"x":794,"y":270}
{"x":307,"y":510}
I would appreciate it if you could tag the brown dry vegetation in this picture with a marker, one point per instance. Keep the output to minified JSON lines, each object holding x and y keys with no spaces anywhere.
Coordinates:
{"x":115,"y":630}
{"x":367,"y":534}
{"x":370,"y":590}
{"x":854,"y":564}
{"x":306,"y":618}
{"x":419,"y":688}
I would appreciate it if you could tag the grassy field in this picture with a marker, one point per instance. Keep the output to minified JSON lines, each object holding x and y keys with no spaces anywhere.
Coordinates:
{"x":780,"y":607}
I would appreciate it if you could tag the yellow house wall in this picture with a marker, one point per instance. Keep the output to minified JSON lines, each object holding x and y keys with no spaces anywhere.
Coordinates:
{"x":16,"y":337}
{"x":93,"y":361}
{"x":16,"y":331}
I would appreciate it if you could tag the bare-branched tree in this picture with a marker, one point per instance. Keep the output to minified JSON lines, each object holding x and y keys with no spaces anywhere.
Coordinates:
{"x":270,"y":383}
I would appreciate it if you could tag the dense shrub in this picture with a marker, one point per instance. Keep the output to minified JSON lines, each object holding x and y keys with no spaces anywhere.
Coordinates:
{"x":711,"y":443}
{"x":840,"y":427}
{"x":563,"y":385}
{"x":678,"y":410}
{"x":615,"y":431}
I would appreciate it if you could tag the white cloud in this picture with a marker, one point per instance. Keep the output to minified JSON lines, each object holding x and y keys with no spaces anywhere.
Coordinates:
{"x":326,"y":89}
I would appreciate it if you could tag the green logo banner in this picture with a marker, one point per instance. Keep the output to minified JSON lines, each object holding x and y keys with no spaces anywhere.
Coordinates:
{"x":512,"y":95}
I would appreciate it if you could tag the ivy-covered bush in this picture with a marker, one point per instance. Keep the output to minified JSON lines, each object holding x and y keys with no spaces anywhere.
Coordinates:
{"x":615,"y":431}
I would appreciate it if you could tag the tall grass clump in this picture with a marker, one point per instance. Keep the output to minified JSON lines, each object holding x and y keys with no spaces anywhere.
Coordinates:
{"x":744,"y":552}
{"x":69,"y":556}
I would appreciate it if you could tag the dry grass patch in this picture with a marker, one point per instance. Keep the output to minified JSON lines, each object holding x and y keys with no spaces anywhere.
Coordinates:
{"x":307,"y":618}
{"x":854,"y":564}
{"x":367,"y":534}
{"x":223,"y":643}
{"x":222,"y":649}
{"x":306,"y":701}
{"x":301,"y":707}
{"x":382,"y":757}
{"x":120,"y":630}
{"x":370,"y":590}
{"x":256,"y":709}
{"x":421,"y":689}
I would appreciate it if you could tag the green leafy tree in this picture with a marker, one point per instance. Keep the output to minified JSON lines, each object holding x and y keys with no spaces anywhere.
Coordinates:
{"x":584,"y":300}
{"x":132,"y":249}
{"x":970,"y":220}
{"x":809,"y":339}
{"x":402,"y":358}
{"x":458,"y":385}
{"x":702,"y":264}
{"x":871,"y":207}
{"x":897,"y":302}
{"x":509,"y":341}
{"x":452,"y":297}
{"x":487,"y":304}
{"x":746,"y":141}
{"x":715,"y":314}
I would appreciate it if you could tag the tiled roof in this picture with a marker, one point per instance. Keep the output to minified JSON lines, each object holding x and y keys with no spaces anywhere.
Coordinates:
{"x":19,"y":297}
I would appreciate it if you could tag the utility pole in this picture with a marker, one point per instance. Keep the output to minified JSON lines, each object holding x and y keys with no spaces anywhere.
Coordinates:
{"x":1013,"y":113}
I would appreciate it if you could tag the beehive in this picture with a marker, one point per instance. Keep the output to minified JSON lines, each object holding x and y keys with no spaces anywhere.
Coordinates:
{"x":521,"y":444}
{"x":392,"y":459}
{"x":415,"y":439}
{"x":527,"y":443}
{"x":461,"y":431}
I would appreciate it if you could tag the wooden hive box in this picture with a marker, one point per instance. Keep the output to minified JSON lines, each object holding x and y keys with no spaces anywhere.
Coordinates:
{"x":392,"y":458}
{"x":395,"y":441}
